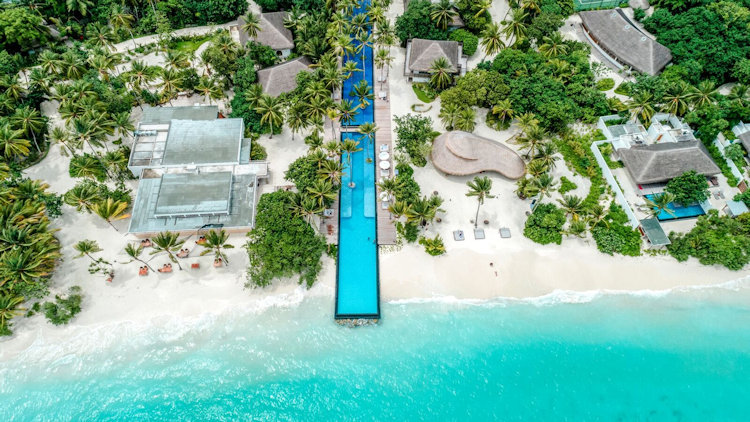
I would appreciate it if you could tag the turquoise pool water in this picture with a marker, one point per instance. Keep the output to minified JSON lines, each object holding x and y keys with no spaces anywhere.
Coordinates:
{"x":366,"y":114}
{"x":357,"y":282}
{"x":679,"y":211}
{"x":579,"y":357}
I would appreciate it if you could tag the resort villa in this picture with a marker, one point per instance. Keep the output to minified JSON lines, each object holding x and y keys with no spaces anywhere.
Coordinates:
{"x":421,"y":54}
{"x":622,"y":42}
{"x":282,"y":78}
{"x":272,"y":33}
{"x":195,"y":172}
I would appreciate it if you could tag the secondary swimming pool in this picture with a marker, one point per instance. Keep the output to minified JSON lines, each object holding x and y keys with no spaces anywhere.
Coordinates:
{"x":366,"y":114}
{"x":679,"y":211}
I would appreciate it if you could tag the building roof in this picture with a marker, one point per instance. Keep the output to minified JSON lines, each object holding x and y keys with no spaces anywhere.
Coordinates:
{"x":423,"y":53}
{"x":462,"y":153}
{"x":745,"y":139}
{"x":272,"y":32}
{"x":735,"y":208}
{"x":654,"y":232}
{"x":163,"y":115}
{"x":185,"y":194}
{"x":617,"y":34}
{"x":192,"y":142}
{"x":282,"y":78}
{"x":662,"y":162}
{"x":240,"y":198}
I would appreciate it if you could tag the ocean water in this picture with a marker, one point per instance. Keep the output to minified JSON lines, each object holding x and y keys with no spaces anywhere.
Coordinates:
{"x":683,"y":355}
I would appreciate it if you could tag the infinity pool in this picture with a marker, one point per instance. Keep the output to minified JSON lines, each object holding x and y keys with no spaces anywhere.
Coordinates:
{"x":679,"y":211}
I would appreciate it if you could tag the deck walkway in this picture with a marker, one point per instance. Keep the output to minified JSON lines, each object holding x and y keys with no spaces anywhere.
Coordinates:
{"x":329,"y":225}
{"x":384,"y":136}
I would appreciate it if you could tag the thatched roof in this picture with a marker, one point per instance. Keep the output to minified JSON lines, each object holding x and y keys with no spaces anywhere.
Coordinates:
{"x":282,"y":77}
{"x":423,"y":53}
{"x":745,"y":139}
{"x":614,"y":32}
{"x":272,"y":32}
{"x":462,"y":153}
{"x":662,"y":162}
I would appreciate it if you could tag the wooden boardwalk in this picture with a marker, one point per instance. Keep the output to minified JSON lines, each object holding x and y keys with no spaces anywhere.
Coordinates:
{"x":386,"y":222}
{"x":329,"y":225}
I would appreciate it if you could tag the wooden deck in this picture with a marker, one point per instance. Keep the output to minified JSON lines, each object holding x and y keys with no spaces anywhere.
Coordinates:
{"x":386,"y":222}
{"x":329,"y":226}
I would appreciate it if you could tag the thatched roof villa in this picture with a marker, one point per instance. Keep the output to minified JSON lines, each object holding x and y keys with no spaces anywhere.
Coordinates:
{"x":272,"y":33}
{"x":617,"y":37}
{"x":421,"y":54}
{"x":658,"y":163}
{"x":282,"y":78}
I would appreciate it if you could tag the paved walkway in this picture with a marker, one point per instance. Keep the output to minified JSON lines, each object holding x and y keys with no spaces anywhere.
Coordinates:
{"x":150,"y":39}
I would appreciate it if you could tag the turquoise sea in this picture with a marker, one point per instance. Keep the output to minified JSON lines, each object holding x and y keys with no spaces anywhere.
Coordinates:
{"x":682,"y":355}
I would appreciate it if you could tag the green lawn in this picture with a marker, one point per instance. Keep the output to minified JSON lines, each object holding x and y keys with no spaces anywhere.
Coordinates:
{"x":190,"y":45}
{"x":421,"y":94}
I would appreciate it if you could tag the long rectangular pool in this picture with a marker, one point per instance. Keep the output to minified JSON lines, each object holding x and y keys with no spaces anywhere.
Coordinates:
{"x":357,"y":285}
{"x":680,"y":212}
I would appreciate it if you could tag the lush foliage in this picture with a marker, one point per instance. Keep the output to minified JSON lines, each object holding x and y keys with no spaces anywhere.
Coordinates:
{"x":433,"y":246}
{"x":613,"y":235}
{"x":545,"y":224}
{"x":715,"y":240}
{"x":64,"y":308}
{"x":566,"y":185}
{"x":689,"y":188}
{"x":469,"y":40}
{"x":414,"y":135}
{"x":416,"y":22}
{"x":282,"y":244}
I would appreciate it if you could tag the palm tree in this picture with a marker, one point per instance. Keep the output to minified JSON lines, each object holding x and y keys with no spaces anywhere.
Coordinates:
{"x":271,"y":110}
{"x":363,"y":93}
{"x":254,"y":94}
{"x":83,"y":196}
{"x":660,"y":203}
{"x":440,"y":73}
{"x":80,"y":6}
{"x":102,"y":64}
{"x":120,"y":19}
{"x":100,"y":35}
{"x":641,"y":106}
{"x":492,"y":39}
{"x":30,"y":122}
{"x":423,"y":210}
{"x":545,"y":184}
{"x":111,"y":210}
{"x":306,"y":207}
{"x":573,"y":205}
{"x":531,"y":140}
{"x":13,"y":146}
{"x":442,"y":13}
{"x":251,"y":24}
{"x":465,"y":119}
{"x":449,"y":115}
{"x":532,"y":6}
{"x":333,"y":113}
{"x":72,"y":65}
{"x":739,"y":93}
{"x":134,"y":252}
{"x":545,"y":153}
{"x":349,"y":147}
{"x":13,"y":88}
{"x":553,"y":46}
{"x":209,"y":89}
{"x":383,"y":60}
{"x":323,"y":191}
{"x":168,"y":243}
{"x":140,"y":75}
{"x":10,"y":306}
{"x":331,"y":171}
{"x":504,"y":111}
{"x":517,"y":27}
{"x":482,"y":7}
{"x":175,"y":59}
{"x":87,"y":248}
{"x":347,"y":111}
{"x":676,"y":99}
{"x":400,"y":209}
{"x":49,"y":62}
{"x":368,"y":130}
{"x":536,"y":168}
{"x":480,"y":188}
{"x":171,"y":82}
{"x":703,"y":94}
{"x":333,"y":148}
{"x":216,"y":242}
{"x":390,"y":186}
{"x":295,"y":118}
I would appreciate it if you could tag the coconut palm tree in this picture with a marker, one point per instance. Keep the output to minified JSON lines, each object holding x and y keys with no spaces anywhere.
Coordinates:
{"x":254,"y":94}
{"x":449,"y":115}
{"x":465,"y":119}
{"x":13,"y":145}
{"x":10,"y":306}
{"x":30,"y":122}
{"x":120,"y":19}
{"x":383,"y":60}
{"x":170,"y":84}
{"x":544,"y":185}
{"x":216,"y":242}
{"x":83,"y":196}
{"x":516,"y":28}
{"x":442,"y":13}
{"x":423,"y":211}
{"x":100,"y":35}
{"x":676,"y":99}
{"x":306,"y":207}
{"x":111,"y":210}
{"x":60,"y":136}
{"x":331,"y":171}
{"x":390,"y":186}
{"x":368,"y":130}
{"x":251,"y":24}
{"x":553,"y":46}
{"x":296,"y":118}
{"x":87,"y":248}
{"x":347,"y":111}
{"x":363,"y":93}
{"x":440,"y":73}
{"x":660,"y":203}
{"x":572,"y":204}
{"x":102,"y":64}
{"x":13,"y":88}
{"x":482,"y":7}
{"x":704,"y":93}
{"x":739,"y":93}
{"x":545,"y":153}
{"x":641,"y":106}
{"x":271,"y":110}
{"x":50,"y":62}
{"x":80,"y":6}
{"x":333,"y":113}
{"x":492,"y":39}
{"x":135,"y":252}
{"x":209,"y":89}
{"x":175,"y":59}
{"x":72,"y":65}
{"x":168,"y":243}
{"x":140,"y":75}
{"x":349,"y":147}
{"x":531,"y":140}
{"x":479,"y":188}
{"x":400,"y":209}
{"x":323,"y":191}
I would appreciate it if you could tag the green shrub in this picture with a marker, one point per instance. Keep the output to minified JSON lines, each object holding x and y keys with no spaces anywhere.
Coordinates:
{"x":424,"y":92}
{"x":617,"y":238}
{"x":258,"y":152}
{"x":605,"y":84}
{"x":744,"y":197}
{"x":566,"y":185}
{"x":469,"y":40}
{"x":639,"y":14}
{"x":545,"y":224}
{"x":715,"y":240}
{"x":413,"y":135}
{"x":623,"y":88}
{"x":433,"y":246}
{"x":409,"y":231}
{"x":64,"y":308}
{"x":689,"y":188}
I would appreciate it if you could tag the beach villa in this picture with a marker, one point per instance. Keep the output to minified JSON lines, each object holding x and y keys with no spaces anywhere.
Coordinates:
{"x":272,"y":33}
{"x":195,"y":172}
{"x":622,"y":42}
{"x":282,"y":78}
{"x":421,"y":54}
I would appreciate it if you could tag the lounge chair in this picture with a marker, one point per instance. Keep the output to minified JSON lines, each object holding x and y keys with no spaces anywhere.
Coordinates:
{"x":504,"y":232}
{"x":478,"y":234}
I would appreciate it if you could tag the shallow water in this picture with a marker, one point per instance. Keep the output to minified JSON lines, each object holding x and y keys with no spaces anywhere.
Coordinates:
{"x":684,"y":355}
